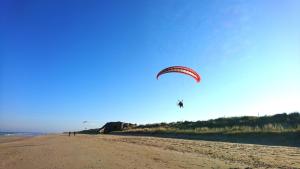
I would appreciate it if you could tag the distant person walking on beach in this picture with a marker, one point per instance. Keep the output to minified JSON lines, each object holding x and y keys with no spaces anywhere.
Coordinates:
{"x":69,"y":133}
{"x":74,"y":133}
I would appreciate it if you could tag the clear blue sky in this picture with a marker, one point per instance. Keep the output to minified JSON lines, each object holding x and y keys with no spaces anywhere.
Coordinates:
{"x":64,"y":62}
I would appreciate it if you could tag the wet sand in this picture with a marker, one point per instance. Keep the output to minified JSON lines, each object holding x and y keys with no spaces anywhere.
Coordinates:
{"x":130,"y":152}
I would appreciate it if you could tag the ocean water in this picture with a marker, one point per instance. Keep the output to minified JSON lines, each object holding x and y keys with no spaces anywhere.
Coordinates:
{"x":20,"y":134}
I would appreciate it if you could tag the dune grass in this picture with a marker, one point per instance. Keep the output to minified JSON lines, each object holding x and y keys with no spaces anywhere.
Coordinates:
{"x":247,"y":124}
{"x":234,"y":129}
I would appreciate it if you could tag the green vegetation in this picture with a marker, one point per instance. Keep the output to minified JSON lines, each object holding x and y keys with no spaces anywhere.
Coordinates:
{"x":279,"y":130}
{"x":90,"y":131}
{"x":247,"y":124}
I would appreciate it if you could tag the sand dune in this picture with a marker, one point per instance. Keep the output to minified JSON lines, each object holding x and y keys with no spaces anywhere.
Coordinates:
{"x":129,"y":152}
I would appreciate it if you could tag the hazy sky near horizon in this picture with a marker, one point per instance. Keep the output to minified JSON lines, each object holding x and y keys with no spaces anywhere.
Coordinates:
{"x":65,"y":62}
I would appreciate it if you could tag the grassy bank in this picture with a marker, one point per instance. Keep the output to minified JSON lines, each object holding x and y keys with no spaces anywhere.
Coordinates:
{"x":269,"y":128}
{"x":277,"y":123}
{"x":262,"y":138}
{"x":280,"y":129}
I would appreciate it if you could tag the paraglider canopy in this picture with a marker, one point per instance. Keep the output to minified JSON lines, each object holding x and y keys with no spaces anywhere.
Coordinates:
{"x":180,"y":69}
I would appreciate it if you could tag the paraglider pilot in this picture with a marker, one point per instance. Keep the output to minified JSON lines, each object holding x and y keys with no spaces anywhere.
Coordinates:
{"x":180,"y":104}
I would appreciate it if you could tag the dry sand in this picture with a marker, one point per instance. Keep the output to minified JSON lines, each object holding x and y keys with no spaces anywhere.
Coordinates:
{"x":129,"y":152}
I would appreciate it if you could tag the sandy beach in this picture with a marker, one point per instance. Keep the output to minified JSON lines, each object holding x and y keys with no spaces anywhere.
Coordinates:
{"x":129,"y":152}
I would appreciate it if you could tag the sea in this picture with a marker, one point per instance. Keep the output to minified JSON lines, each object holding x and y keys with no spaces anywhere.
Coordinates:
{"x":3,"y":134}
